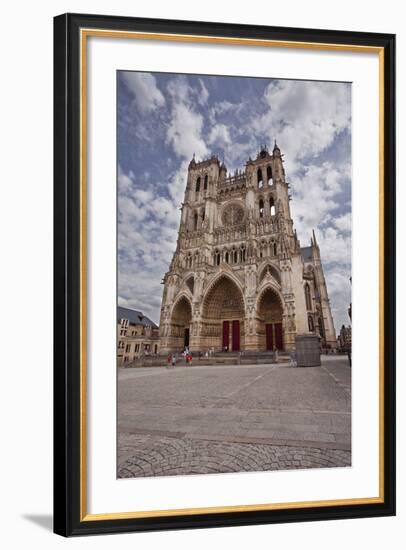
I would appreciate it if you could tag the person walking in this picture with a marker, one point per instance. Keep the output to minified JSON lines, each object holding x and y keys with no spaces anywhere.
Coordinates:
{"x":174,"y":360}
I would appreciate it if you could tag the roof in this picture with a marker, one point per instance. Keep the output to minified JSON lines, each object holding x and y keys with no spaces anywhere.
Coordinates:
{"x":306,"y":253}
{"x":134,"y":316}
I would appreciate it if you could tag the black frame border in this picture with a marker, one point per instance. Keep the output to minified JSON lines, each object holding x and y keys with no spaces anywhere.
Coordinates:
{"x":67,"y":521}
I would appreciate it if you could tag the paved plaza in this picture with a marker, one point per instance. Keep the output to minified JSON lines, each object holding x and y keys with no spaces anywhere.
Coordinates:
{"x":212,"y":419}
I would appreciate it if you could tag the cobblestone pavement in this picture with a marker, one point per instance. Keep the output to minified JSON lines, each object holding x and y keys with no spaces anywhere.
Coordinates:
{"x":233,"y":418}
{"x":153,"y":456}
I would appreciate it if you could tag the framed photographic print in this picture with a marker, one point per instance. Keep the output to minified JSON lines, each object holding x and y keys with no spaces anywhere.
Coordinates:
{"x":224,"y":274}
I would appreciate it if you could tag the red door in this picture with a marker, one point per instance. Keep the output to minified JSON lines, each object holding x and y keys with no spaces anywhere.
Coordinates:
{"x":226,"y":333}
{"x":186,"y":338}
{"x":269,"y":336}
{"x":278,"y":336}
{"x":236,"y":335}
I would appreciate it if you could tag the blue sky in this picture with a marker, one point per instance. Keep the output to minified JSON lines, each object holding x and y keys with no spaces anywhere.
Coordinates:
{"x":164,"y":118}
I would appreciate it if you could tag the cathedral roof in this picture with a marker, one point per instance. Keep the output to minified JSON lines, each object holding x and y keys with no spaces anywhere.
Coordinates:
{"x":306,"y":252}
{"x":134,"y":316}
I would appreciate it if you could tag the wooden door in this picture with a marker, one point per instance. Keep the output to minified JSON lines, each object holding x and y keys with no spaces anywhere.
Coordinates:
{"x":269,"y":336}
{"x":278,"y":336}
{"x":236,"y":335}
{"x":226,"y":334}
{"x":186,"y":338}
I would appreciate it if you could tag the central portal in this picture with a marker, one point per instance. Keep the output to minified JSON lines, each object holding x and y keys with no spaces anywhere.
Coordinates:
{"x":223,"y":316}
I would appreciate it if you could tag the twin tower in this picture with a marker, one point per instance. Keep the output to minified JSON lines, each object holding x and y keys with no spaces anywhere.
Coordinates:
{"x":238,"y":279}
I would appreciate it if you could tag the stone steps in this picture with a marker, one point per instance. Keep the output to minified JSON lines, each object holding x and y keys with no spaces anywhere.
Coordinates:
{"x":220,"y":358}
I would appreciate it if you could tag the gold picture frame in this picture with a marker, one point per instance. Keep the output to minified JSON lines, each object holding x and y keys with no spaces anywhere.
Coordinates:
{"x":71,"y":95}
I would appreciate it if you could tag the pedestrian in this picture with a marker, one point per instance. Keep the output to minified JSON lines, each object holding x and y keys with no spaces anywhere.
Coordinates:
{"x":169,"y":360}
{"x":190,"y":359}
{"x":174,"y":360}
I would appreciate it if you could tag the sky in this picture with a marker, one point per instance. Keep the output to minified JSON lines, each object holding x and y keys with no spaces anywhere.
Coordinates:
{"x":163,"y":119}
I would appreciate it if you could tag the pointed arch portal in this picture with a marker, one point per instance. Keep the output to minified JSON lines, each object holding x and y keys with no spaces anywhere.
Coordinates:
{"x":270,"y":314}
{"x":223,"y":316}
{"x":180,"y":323}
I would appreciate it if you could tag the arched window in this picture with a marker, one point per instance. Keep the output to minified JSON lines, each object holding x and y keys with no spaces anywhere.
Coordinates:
{"x":198,"y":184}
{"x":275,"y":249}
{"x":206,"y":179}
{"x":272,"y":206}
{"x":226,"y":257}
{"x":191,"y":284}
{"x":308,"y":297}
{"x":269,"y":175}
{"x":195,"y":220}
{"x":261,"y":208}
{"x":259,"y":178}
{"x":203,"y":215}
{"x":235,"y":256}
{"x":242,"y":254}
{"x":311,"y":323}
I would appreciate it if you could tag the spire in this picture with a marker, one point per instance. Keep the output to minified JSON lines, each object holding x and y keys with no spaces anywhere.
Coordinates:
{"x":314,"y":238}
{"x":276,"y":151}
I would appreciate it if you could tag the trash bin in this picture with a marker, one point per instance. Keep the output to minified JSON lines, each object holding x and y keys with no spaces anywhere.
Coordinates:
{"x":308,"y":350}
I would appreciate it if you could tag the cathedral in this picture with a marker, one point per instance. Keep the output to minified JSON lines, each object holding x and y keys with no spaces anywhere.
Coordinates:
{"x":239,"y":279}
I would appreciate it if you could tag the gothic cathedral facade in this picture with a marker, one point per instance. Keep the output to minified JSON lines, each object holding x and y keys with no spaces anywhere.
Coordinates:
{"x":239,"y":279}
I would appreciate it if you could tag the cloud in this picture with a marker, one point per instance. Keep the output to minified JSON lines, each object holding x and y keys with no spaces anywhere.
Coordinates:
{"x":316,"y":194}
{"x":177,"y":182}
{"x":304,"y":116}
{"x":204,"y":94}
{"x":339,"y":289}
{"x":144,"y":89}
{"x":334,"y":247}
{"x":220,"y":135}
{"x":343,"y":223}
{"x":317,"y":204}
{"x":147,"y":233}
{"x":185,"y":127}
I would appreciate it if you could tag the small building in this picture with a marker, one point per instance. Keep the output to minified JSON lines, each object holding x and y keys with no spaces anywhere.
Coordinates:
{"x":137,"y":335}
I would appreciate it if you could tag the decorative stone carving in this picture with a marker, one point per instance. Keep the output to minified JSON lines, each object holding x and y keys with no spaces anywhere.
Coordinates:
{"x":233,"y":214}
